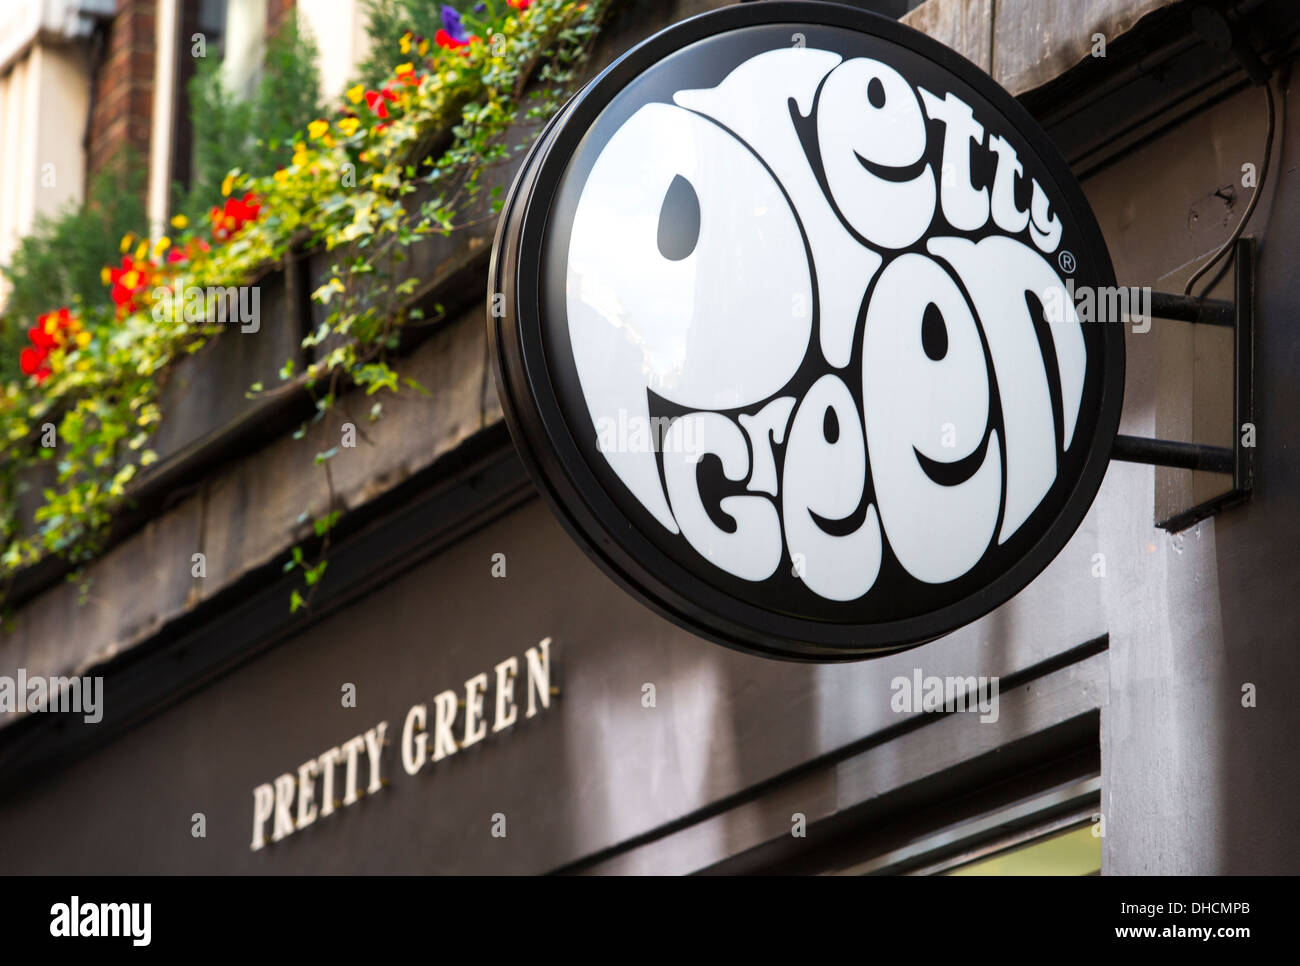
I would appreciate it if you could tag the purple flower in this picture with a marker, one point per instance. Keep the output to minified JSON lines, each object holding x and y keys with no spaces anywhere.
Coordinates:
{"x":451,"y":22}
{"x":480,"y":7}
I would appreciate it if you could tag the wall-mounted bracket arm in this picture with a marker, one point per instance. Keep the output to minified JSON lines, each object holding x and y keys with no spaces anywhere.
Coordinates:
{"x":1238,"y":459}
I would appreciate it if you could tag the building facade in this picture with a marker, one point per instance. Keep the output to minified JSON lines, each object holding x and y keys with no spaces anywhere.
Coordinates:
{"x":483,"y":699}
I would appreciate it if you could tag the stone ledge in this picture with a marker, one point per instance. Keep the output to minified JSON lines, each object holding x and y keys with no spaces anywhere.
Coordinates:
{"x":1025,"y":44}
{"x":245,"y":515}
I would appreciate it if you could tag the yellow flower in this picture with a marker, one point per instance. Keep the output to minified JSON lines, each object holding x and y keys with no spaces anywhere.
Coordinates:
{"x":228,"y":184}
{"x":356,"y":93}
{"x":83,"y":339}
{"x":300,"y":154}
{"x":349,"y":125}
{"x":281,"y":176}
{"x":131,"y":279}
{"x":404,"y":68}
{"x":405,"y":42}
{"x":106,"y":275}
{"x":161,"y":245}
{"x":317,"y":129}
{"x":180,"y":222}
{"x":141,"y":251}
{"x":127,"y":241}
{"x":423,"y":48}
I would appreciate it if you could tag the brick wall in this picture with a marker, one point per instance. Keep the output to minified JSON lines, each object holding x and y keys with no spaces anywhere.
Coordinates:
{"x":276,"y":11}
{"x":122,"y":113}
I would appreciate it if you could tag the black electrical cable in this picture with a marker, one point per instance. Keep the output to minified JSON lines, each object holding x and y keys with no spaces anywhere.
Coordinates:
{"x":1230,"y":244}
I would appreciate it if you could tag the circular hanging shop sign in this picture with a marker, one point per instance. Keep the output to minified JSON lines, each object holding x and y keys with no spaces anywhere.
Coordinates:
{"x":783,"y":324}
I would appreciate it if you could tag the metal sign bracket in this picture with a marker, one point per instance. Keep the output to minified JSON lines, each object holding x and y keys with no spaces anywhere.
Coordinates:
{"x":1238,"y":459}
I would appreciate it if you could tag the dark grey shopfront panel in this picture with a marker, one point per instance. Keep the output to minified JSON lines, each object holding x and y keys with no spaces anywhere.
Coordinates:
{"x":596,"y":769}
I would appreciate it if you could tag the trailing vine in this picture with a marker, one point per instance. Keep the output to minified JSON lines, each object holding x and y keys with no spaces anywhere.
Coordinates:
{"x":88,"y":408}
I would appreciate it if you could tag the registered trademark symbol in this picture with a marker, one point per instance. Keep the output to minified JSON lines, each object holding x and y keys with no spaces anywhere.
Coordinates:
{"x":1066,"y":261}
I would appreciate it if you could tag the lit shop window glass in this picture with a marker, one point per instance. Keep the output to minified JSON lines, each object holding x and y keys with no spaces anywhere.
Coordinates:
{"x":1073,"y":852}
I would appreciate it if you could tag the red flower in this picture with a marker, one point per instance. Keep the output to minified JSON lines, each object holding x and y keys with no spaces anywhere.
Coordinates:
{"x":378,"y":97}
{"x":53,"y":330}
{"x":129,"y":282}
{"x":446,"y":40}
{"x":192,"y":248}
{"x":520,"y":5}
{"x":33,"y":363}
{"x":230,"y":220}
{"x":251,"y":207}
{"x":38,"y":337}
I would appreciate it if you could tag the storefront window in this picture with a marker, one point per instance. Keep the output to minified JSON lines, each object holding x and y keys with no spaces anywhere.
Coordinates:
{"x":1054,"y":830}
{"x":1073,"y":852}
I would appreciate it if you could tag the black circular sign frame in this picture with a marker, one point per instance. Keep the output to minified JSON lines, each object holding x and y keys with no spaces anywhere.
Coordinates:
{"x":536,"y":379}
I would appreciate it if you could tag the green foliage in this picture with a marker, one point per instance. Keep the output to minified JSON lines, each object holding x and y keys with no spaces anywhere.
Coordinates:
{"x":347,"y":185}
{"x":389,"y":20}
{"x":253,"y":134}
{"x":59,"y":262}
